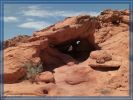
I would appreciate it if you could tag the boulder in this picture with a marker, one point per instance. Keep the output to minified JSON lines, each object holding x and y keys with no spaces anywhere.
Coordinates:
{"x":16,"y":59}
{"x":45,"y":77}
{"x":100,"y":56}
{"x":113,"y":64}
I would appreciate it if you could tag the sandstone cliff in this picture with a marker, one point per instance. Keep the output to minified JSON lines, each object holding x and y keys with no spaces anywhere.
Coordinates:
{"x":79,"y":56}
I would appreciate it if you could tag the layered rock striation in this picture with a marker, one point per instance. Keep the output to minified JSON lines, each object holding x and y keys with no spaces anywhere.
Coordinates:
{"x":79,"y":56}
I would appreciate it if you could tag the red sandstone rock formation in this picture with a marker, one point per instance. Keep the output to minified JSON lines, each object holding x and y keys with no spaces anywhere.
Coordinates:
{"x":86,"y":56}
{"x":15,"y":41}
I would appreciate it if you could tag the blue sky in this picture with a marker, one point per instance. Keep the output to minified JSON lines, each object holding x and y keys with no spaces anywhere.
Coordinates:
{"x":27,"y":18}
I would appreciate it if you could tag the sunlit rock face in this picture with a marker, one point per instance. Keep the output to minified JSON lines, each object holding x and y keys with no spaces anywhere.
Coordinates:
{"x":79,"y":56}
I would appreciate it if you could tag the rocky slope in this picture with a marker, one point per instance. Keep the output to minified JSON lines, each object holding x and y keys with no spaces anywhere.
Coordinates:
{"x":15,"y":41}
{"x":79,"y":56}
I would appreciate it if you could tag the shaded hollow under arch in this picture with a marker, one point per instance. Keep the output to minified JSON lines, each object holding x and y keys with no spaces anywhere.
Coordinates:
{"x":58,"y":55}
{"x":79,"y":49}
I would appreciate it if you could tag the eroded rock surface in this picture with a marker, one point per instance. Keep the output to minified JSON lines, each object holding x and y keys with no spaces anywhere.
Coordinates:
{"x":80,"y":56}
{"x":46,"y":77}
{"x":16,"y":40}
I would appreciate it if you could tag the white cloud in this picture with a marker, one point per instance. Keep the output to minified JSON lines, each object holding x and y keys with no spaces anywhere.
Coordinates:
{"x":93,"y":13}
{"x":29,"y":19}
{"x":33,"y":7}
{"x":35,"y":11}
{"x":10,"y":19}
{"x":34,"y":25}
{"x":73,"y":13}
{"x":38,"y":12}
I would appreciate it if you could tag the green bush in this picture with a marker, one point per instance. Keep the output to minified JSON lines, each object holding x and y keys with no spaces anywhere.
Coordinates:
{"x":32,"y":69}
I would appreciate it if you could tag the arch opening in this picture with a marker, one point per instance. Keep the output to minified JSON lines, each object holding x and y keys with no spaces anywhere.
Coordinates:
{"x":79,"y":49}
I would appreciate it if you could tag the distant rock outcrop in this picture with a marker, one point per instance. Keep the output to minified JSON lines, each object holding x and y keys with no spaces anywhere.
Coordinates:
{"x":15,"y":41}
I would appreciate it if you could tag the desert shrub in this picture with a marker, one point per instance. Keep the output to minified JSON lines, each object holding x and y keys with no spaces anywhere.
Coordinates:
{"x":32,"y":69}
{"x":103,"y":91}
